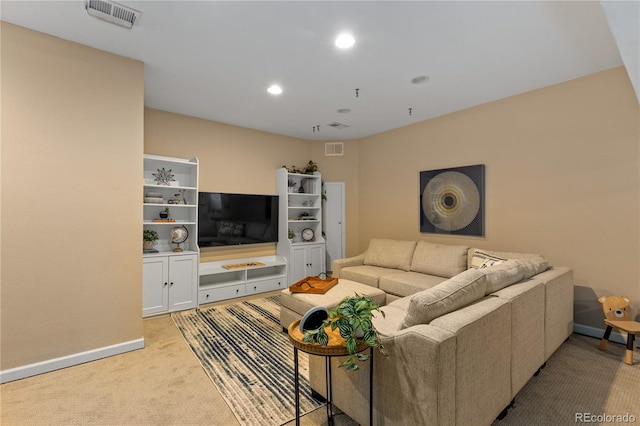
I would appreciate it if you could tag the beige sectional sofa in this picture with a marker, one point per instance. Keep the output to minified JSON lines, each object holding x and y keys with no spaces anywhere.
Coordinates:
{"x":464,"y":330}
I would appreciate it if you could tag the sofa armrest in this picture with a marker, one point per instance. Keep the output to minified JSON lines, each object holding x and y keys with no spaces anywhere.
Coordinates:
{"x":338,"y":264}
{"x":412,"y":384}
{"x":558,"y":312}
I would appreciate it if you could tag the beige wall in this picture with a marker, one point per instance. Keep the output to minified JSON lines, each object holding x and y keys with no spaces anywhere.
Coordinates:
{"x":344,"y":169}
{"x":72,"y":139}
{"x":562,"y":179}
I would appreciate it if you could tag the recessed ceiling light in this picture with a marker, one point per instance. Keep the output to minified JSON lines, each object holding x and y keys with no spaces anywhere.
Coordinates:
{"x":421,"y":79}
{"x":274,"y":89}
{"x":345,"y":41}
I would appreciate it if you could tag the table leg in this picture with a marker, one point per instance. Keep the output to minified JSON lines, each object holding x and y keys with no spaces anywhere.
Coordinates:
{"x":329,"y":390}
{"x":371,"y":389}
{"x":297,"y":384}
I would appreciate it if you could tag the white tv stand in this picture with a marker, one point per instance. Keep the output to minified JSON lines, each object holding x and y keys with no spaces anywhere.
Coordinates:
{"x":219,"y":283}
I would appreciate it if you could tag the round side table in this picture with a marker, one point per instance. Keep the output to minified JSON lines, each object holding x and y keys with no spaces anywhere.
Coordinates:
{"x":335,"y":347}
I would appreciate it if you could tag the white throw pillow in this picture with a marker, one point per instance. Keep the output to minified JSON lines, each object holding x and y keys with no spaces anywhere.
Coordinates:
{"x":481,"y":259}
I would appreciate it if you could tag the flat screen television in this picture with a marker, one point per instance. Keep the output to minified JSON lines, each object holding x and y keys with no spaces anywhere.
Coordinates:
{"x":236,"y":219}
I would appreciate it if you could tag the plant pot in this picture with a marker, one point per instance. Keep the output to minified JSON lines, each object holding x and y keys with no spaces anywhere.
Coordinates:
{"x":147,"y":245}
{"x":164,"y":215}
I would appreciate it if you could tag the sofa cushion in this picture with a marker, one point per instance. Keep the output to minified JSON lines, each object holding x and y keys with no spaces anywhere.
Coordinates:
{"x":481,"y":259}
{"x":502,"y":275}
{"x":437,"y":259}
{"x":408,"y":283}
{"x":396,"y":254}
{"x":393,"y":317}
{"x":533,"y":263}
{"x":364,"y":274}
{"x":452,"y":294}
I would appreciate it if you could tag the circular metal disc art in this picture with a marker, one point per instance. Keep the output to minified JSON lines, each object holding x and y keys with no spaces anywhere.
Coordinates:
{"x":450,"y":201}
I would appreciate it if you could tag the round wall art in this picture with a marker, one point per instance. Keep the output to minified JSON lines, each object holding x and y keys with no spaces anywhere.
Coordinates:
{"x":451,"y":200}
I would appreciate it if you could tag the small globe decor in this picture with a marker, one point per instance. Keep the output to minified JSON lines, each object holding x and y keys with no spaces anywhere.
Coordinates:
{"x":179,"y":235}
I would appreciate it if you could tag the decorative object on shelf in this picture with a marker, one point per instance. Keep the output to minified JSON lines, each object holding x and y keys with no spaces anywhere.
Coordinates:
{"x":242,"y":265}
{"x":153,"y":198}
{"x":352,"y":316}
{"x":164,"y":214}
{"x":291,"y":186}
{"x":452,"y":200}
{"x":309,"y":169}
{"x":314,"y":285}
{"x":163,"y":177}
{"x":149,"y":237}
{"x":313,"y":318}
{"x":291,"y":234}
{"x":179,"y":235}
{"x":308,"y":234}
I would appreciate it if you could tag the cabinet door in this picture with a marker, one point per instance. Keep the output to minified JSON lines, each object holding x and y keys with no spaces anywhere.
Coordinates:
{"x":298,"y":265}
{"x":183,"y":282}
{"x":155,"y":285}
{"x":315,"y":259}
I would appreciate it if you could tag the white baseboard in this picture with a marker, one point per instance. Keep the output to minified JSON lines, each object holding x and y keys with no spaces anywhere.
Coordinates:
{"x":598,"y":333}
{"x":69,"y":360}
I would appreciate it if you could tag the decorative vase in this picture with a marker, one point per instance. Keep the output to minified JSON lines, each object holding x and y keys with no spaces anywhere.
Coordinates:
{"x":164,"y":215}
{"x":147,"y":245}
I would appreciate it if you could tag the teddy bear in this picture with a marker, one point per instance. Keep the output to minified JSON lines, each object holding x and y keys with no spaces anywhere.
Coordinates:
{"x":616,"y":307}
{"x":617,"y":312}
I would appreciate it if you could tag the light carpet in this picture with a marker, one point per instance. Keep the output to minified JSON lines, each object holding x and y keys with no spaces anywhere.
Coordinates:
{"x":242,"y":348}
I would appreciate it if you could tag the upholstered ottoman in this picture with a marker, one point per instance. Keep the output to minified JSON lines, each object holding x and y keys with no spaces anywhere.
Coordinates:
{"x":294,"y":305}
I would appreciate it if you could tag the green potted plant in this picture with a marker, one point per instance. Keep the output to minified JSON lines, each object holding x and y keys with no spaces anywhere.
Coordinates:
{"x":164,"y":214}
{"x":352,"y":317}
{"x":149,"y":237}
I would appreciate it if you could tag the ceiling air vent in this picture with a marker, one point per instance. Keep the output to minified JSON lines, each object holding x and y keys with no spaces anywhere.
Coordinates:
{"x":333,"y":149}
{"x":112,"y":12}
{"x":337,"y":125}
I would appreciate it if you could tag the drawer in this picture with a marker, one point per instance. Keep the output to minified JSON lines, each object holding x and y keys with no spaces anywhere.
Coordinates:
{"x":222,"y":293}
{"x":260,"y":286}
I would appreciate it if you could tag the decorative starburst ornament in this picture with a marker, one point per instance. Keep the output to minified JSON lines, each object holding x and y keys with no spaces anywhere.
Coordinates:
{"x":163,"y":177}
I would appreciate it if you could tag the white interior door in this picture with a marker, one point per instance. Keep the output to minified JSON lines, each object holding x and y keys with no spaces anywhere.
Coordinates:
{"x":334,"y":221}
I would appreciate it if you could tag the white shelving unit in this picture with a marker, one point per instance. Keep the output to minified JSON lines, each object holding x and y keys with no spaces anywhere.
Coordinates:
{"x":170,"y":278}
{"x":300,"y":199}
{"x":220,"y":283}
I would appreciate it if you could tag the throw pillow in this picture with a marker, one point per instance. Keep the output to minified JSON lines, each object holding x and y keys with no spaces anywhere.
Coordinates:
{"x":448,"y":296}
{"x":394,"y":254}
{"x":533,"y":265}
{"x":481,"y":259}
{"x":440,"y":260}
{"x":502,"y":275}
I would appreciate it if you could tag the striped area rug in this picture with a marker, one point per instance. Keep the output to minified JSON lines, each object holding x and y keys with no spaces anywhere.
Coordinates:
{"x":242,"y":348}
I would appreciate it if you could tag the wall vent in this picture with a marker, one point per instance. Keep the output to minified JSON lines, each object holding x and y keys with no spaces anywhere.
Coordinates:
{"x":112,"y":12}
{"x":334,"y":149}
{"x":337,"y":125}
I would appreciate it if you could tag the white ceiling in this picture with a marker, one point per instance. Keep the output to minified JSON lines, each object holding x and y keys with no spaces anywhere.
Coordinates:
{"x":215,"y":59}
